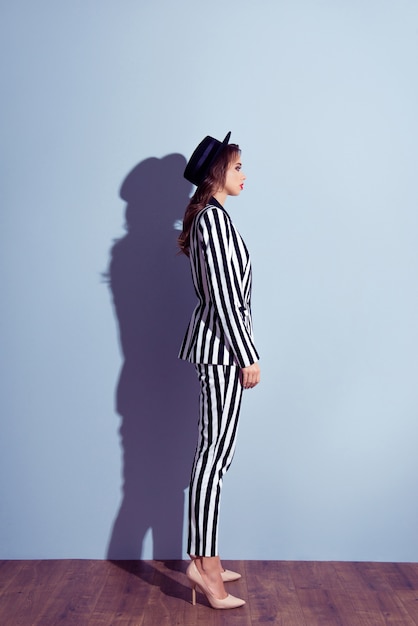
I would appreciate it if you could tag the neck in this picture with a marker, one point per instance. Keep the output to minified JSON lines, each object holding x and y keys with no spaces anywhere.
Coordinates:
{"x":220,"y":196}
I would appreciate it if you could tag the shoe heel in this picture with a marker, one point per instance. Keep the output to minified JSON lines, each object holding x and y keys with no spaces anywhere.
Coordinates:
{"x":194,"y":595}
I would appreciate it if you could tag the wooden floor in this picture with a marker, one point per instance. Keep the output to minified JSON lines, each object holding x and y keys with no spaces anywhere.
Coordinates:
{"x":156,"y":593}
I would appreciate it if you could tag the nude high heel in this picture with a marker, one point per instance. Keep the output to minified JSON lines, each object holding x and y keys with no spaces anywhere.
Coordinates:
{"x":196,"y":580}
{"x":228,"y":576}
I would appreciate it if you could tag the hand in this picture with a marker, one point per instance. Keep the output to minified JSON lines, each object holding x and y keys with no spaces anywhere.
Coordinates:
{"x":250,"y":376}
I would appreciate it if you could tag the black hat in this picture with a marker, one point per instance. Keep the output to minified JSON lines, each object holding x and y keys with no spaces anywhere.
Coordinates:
{"x":202,"y":158}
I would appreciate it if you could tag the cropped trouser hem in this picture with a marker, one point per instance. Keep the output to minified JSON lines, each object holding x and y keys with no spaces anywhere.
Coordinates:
{"x":219,"y":407}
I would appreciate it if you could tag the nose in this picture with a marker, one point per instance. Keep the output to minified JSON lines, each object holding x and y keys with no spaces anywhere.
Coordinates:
{"x":244,"y":176}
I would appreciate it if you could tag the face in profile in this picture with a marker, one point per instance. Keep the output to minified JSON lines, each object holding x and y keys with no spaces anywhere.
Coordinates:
{"x":234,"y":181}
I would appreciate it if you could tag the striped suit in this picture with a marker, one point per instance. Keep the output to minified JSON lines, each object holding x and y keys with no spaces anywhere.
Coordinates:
{"x":219,"y":340}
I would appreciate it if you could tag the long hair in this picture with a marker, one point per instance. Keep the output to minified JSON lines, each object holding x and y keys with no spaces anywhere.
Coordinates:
{"x":213,"y":182}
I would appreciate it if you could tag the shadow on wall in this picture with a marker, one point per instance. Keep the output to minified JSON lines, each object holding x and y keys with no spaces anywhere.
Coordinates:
{"x":157,"y":395}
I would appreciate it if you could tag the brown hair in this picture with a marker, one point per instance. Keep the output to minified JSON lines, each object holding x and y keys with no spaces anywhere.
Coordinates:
{"x":213,"y":182}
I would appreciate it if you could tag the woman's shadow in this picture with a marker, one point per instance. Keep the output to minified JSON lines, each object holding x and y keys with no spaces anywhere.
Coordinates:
{"x":156,"y":394}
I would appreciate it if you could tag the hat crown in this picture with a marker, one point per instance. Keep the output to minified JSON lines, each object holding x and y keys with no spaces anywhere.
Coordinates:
{"x":203,"y":157}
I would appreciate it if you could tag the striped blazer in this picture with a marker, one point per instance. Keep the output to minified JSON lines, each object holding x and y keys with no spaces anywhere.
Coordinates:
{"x":220,"y":330}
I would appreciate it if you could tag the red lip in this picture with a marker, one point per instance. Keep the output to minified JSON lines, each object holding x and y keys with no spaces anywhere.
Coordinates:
{"x":242,"y":186}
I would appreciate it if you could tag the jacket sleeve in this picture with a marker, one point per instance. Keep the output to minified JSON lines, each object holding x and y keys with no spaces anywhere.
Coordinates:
{"x":225,"y":284}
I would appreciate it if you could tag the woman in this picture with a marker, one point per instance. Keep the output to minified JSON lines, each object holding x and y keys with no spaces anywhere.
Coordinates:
{"x":219,"y":340}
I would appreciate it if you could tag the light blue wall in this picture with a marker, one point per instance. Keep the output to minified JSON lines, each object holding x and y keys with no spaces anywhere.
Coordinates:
{"x":322,"y":96}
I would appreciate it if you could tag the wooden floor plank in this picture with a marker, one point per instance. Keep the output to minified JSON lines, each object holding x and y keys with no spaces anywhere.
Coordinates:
{"x":363,"y":600}
{"x":319,"y":591}
{"x":409,"y":599}
{"x":124,"y":598}
{"x":395,"y":576}
{"x":8,"y":570}
{"x":71,"y":595}
{"x":374,"y":576}
{"x":393,"y":610}
{"x":157,"y":593}
{"x":30,"y":589}
{"x":170,"y":597}
{"x":272,"y":594}
{"x":409,"y":573}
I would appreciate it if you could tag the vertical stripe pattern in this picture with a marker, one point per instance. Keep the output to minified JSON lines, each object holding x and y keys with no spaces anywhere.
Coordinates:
{"x":220,"y":400}
{"x":220,"y":330}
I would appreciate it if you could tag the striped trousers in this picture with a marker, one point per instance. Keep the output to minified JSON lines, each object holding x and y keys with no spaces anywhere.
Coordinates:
{"x":220,"y":401}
